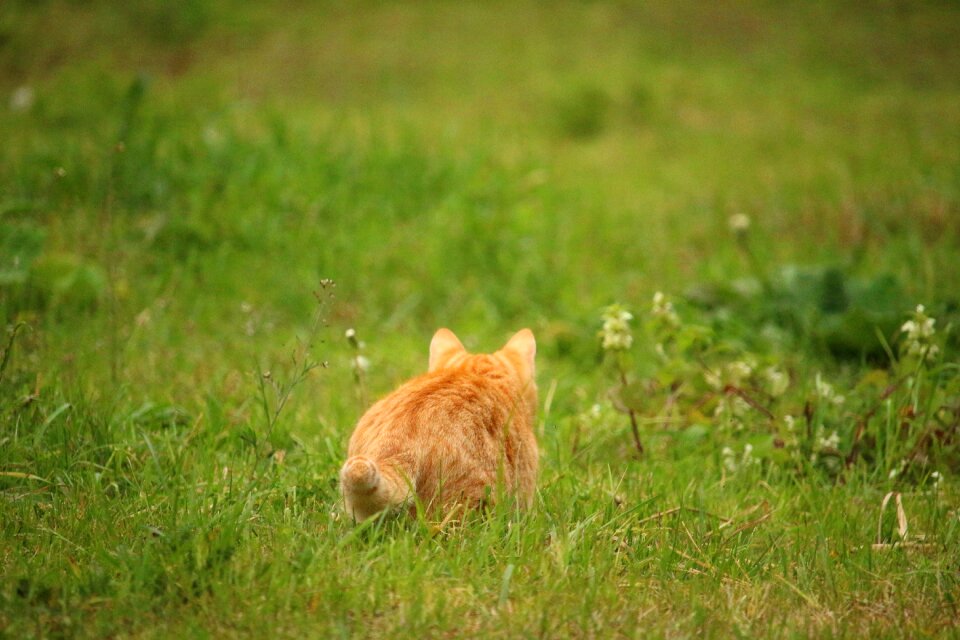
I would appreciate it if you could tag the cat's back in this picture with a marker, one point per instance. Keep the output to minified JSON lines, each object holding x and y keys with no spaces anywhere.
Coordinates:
{"x":472,"y":396}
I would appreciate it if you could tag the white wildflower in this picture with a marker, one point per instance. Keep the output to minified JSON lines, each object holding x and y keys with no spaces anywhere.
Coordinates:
{"x":729,"y":459}
{"x":617,"y":341}
{"x":361,"y":363}
{"x":789,"y":436}
{"x":22,"y":99}
{"x":738,"y":372}
{"x":919,"y":331}
{"x":830,"y":442}
{"x":790,"y":423}
{"x":777,"y":381}
{"x":662,"y":309}
{"x":733,"y":408}
{"x":660,"y":302}
{"x":616,"y":334}
{"x":739,"y":223}
{"x":732,"y":462}
{"x":826,"y":392}
{"x":351,"y":336}
{"x":732,"y":374}
{"x":592,"y":417}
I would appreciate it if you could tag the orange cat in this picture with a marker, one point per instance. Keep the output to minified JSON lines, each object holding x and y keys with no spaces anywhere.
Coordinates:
{"x":449,"y":436}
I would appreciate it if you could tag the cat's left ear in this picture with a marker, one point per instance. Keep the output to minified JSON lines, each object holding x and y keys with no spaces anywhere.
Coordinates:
{"x":524,"y":345}
{"x":443,"y":345}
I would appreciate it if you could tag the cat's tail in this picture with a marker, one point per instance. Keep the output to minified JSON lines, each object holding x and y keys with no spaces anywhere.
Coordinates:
{"x":369,"y":488}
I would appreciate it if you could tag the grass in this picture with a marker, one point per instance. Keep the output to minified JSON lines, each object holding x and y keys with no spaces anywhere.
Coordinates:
{"x":181,"y":181}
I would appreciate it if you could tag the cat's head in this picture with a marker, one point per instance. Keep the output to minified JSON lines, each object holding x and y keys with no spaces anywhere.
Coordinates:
{"x":517,"y":355}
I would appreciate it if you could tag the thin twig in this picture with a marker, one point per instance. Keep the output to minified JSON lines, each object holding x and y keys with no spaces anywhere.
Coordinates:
{"x":633,"y":416}
{"x":746,"y":397}
{"x":9,"y":349}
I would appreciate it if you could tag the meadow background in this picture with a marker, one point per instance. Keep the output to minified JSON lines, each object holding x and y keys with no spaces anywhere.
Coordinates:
{"x":198,"y":200}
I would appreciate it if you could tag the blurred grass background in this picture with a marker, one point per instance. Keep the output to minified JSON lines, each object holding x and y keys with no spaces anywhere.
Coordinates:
{"x":479,"y":165}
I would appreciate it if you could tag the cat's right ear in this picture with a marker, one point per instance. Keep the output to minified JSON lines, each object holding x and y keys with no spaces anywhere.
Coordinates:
{"x":443,"y":345}
{"x":525,"y":345}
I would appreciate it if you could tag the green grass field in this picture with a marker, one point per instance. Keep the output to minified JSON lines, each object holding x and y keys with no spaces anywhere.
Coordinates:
{"x":198,"y":199}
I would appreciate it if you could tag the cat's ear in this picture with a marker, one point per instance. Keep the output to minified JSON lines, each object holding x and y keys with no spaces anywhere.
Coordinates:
{"x":443,"y":345}
{"x":524,"y":345}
